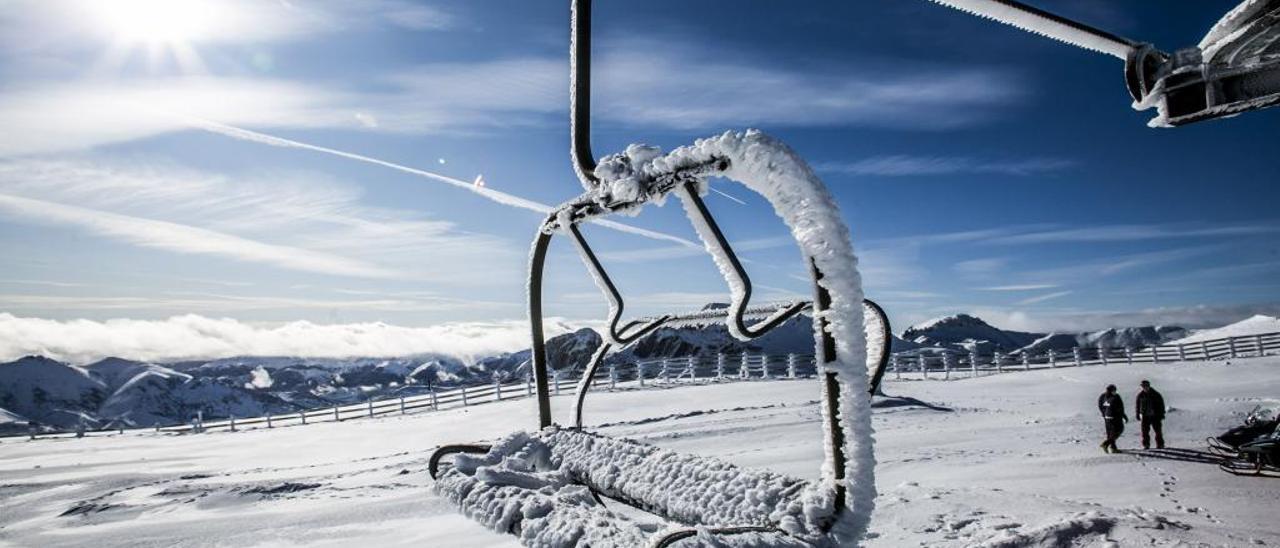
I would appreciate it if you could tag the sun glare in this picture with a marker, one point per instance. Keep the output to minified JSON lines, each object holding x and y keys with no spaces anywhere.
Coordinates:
{"x":156,"y":21}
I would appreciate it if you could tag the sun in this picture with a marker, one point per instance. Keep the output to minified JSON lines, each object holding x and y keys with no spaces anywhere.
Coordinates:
{"x":156,"y":21}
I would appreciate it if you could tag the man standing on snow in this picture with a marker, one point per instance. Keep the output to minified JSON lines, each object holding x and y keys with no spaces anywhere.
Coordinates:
{"x":1112,"y":409}
{"x":1149,"y":408}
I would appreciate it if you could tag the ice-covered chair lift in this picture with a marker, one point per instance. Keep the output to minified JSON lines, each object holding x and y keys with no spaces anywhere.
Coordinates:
{"x":526,"y":483}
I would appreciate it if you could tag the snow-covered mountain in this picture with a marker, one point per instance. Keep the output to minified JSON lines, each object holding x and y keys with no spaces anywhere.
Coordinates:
{"x":1255,"y":325}
{"x":50,"y":392}
{"x":120,"y":391}
{"x":965,"y":333}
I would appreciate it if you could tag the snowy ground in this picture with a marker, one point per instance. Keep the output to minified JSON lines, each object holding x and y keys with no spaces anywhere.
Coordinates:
{"x":1009,"y":460}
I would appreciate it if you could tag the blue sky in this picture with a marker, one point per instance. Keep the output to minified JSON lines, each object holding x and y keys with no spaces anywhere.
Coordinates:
{"x":981,"y":169}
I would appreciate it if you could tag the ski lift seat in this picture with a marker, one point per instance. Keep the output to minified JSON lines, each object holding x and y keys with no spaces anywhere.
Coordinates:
{"x":521,"y":483}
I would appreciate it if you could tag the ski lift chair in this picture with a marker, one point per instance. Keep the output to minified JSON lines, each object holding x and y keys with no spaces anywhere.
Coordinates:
{"x":548,"y":486}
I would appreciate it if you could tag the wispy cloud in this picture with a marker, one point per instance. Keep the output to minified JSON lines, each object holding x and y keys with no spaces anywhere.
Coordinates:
{"x":1023,"y":287}
{"x":672,"y":83}
{"x":677,"y":252}
{"x":190,"y":337}
{"x":1043,"y":298}
{"x":292,"y":220}
{"x":1135,"y":232}
{"x":905,"y":165}
{"x":186,"y":239}
{"x":29,"y":23}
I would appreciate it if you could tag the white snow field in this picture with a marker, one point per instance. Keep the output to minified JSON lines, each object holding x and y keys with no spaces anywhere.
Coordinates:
{"x":1005,"y":460}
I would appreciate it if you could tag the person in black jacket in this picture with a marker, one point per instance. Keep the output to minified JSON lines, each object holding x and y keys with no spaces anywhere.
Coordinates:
{"x":1149,"y":407}
{"x":1113,"y":417}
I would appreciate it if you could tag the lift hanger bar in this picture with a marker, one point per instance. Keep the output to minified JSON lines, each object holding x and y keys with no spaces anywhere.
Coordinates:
{"x":1038,"y":21}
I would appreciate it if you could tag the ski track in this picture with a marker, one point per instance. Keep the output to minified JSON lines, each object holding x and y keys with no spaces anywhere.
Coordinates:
{"x":1001,"y":461}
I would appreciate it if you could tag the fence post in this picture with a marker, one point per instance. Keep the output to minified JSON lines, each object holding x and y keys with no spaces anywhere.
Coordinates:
{"x":497,"y":390}
{"x":435,"y":406}
{"x":1102,"y":353}
{"x":744,"y":367}
{"x":924,"y":366}
{"x":1075,"y":355}
{"x":663,"y":371}
{"x":1231,"y":342}
{"x":719,"y":365}
{"x":640,"y":373}
{"x":268,"y":421}
{"x":1053,"y":358}
{"x":1128,"y":354}
{"x":613,"y":377}
{"x":1204,"y":349}
{"x":946,"y":366}
{"x":1026,"y":361}
{"x":528,"y":385}
{"x":1257,"y":341}
{"x":303,"y":416}
{"x":464,"y":394}
{"x":1182,"y":352}
{"x":401,"y":405}
{"x":1155,"y":353}
{"x":335,"y":413}
{"x":233,"y":425}
{"x":973,"y":362}
{"x":999,"y":359}
{"x":791,"y":365}
{"x":893,"y":362}
{"x":370,"y":407}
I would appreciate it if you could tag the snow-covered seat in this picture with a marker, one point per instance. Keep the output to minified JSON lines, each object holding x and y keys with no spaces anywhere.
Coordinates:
{"x":545,"y":487}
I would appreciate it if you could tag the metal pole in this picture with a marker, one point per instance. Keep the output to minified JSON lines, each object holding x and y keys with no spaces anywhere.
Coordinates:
{"x":791,"y":366}
{"x":1075,"y":355}
{"x":1182,"y":352}
{"x":1231,"y":342}
{"x":719,"y":365}
{"x":1128,"y":354}
{"x":744,"y":371}
{"x":435,"y":405}
{"x":973,"y":362}
{"x":1257,"y":341}
{"x":1102,"y":352}
{"x":464,"y":395}
{"x":1155,"y":354}
{"x":497,"y":390}
{"x":1026,"y":361}
{"x":640,"y":373}
{"x":893,"y":362}
{"x":946,"y":367}
{"x":268,"y":422}
{"x":613,"y":377}
{"x":303,"y":416}
{"x":335,"y":414}
{"x":401,"y":405}
{"x":1053,"y":359}
{"x":999,"y":362}
{"x":233,"y":425}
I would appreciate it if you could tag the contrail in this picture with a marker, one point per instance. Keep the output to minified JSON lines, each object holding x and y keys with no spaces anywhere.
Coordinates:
{"x":494,"y":195}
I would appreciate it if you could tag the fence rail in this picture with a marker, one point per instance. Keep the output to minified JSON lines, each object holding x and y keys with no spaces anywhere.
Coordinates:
{"x":728,"y":367}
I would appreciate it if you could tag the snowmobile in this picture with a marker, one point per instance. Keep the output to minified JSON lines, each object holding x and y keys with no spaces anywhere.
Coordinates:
{"x":549,"y":486}
{"x":1260,"y":457}
{"x":1258,"y":424}
{"x":1235,"y":67}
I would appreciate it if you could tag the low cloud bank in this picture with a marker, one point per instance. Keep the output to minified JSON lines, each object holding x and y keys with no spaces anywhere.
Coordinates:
{"x":1191,"y":317}
{"x":194,"y":337}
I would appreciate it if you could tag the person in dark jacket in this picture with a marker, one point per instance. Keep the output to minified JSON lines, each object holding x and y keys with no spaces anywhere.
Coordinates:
{"x":1113,"y":417}
{"x":1149,"y":408}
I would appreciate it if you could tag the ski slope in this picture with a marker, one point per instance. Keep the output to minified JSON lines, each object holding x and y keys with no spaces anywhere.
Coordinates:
{"x":1008,"y":460}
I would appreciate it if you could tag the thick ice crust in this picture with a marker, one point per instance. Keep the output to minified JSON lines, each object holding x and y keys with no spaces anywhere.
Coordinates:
{"x":773,"y":170}
{"x":532,"y":485}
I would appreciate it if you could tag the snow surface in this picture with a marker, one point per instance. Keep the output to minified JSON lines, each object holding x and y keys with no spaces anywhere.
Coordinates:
{"x":1004,"y":460}
{"x":1256,"y":325}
